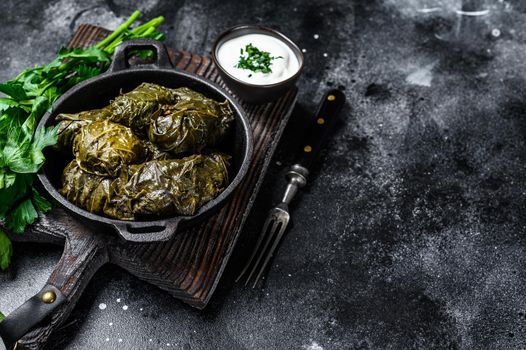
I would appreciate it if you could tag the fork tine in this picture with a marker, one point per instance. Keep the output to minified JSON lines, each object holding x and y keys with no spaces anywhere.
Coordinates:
{"x":262,"y":236}
{"x":271,"y":234}
{"x":282,"y":226}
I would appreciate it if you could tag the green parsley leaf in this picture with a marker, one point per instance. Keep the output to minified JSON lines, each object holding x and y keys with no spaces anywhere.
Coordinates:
{"x":14,"y":89}
{"x":41,"y":203}
{"x":19,"y":153}
{"x":24,"y":214}
{"x":30,"y":79}
{"x":90,"y":54}
{"x":6,"y":103}
{"x":6,"y":251}
{"x":7,"y":178}
{"x":2,"y":317}
{"x":11,"y":195}
{"x":52,"y":94}
{"x":143,"y":54}
{"x":43,"y":137}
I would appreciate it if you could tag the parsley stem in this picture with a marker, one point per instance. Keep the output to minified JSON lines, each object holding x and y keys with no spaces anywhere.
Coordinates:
{"x":153,"y":23}
{"x":144,"y":30}
{"x":119,"y":30}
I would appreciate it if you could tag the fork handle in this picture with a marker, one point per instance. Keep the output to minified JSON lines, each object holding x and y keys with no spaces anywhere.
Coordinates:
{"x":319,"y":129}
{"x":297,"y":177}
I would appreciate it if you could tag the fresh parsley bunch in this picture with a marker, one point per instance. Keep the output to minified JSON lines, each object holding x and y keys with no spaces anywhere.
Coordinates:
{"x":28,"y":97}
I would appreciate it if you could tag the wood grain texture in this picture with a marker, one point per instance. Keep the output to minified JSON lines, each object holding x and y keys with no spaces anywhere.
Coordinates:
{"x":190,"y":265}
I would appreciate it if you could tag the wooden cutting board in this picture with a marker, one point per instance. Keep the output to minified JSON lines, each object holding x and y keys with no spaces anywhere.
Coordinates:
{"x":190,"y":265}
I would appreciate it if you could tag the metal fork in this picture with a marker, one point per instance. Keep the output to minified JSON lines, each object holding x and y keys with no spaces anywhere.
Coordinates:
{"x":274,"y":227}
{"x":278,"y":217}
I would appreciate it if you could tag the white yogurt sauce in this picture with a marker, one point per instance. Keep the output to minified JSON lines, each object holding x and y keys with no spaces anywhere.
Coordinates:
{"x":282,"y":68}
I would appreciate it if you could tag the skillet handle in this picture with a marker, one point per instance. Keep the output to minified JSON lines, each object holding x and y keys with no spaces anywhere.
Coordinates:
{"x":143,"y":232}
{"x":31,"y":324}
{"x":122,"y":54}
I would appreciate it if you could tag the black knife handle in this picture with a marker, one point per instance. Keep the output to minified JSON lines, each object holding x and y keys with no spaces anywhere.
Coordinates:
{"x":320,"y":127}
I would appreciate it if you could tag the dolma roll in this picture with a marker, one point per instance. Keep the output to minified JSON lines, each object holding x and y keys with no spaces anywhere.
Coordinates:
{"x":70,"y":124}
{"x":103,"y":147}
{"x":136,"y":108}
{"x":87,"y":191}
{"x":170,"y":187}
{"x":193,"y":123}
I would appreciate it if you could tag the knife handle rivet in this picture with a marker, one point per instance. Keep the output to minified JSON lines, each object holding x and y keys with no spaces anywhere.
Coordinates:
{"x":331,"y":97}
{"x":49,"y":297}
{"x":320,"y":121}
{"x":307,"y":149}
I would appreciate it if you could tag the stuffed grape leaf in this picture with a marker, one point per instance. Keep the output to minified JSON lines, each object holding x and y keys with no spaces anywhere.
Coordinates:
{"x":169,"y":187}
{"x":103,"y":147}
{"x":190,"y":125}
{"x":70,"y":124}
{"x":136,"y":108}
{"x":88,"y":191}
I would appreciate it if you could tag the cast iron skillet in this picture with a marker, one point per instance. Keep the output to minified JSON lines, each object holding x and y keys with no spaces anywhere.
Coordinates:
{"x":86,"y":248}
{"x":97,"y":92}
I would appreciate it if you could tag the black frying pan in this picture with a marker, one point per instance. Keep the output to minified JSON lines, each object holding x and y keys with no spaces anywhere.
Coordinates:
{"x":97,"y":92}
{"x":87,"y":249}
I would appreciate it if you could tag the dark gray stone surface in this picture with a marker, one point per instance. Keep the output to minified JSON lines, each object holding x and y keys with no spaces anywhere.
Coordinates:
{"x":412,"y":233}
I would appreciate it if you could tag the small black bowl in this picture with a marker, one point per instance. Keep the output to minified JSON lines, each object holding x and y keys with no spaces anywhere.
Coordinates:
{"x":256,"y":93}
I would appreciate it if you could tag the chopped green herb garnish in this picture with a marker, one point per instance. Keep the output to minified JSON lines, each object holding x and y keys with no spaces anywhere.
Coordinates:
{"x":255,"y":60}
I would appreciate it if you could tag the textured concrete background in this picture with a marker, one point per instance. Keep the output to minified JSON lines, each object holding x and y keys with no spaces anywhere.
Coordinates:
{"x":412,"y":234}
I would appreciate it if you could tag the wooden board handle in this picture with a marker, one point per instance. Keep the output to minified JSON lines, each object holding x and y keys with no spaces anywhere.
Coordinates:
{"x":84,"y":253}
